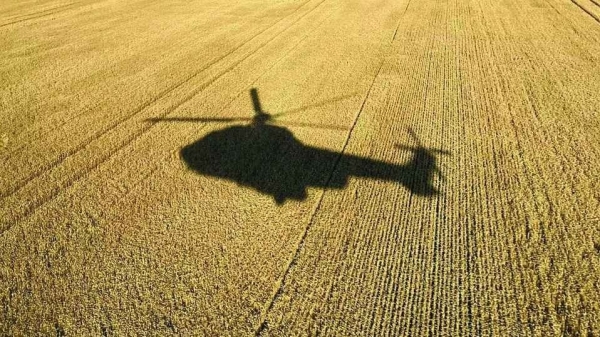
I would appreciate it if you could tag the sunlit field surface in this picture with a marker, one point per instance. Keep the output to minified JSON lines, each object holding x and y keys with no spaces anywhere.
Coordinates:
{"x":300,"y":167}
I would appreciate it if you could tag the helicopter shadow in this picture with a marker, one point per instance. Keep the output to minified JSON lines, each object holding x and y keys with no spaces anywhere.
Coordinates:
{"x":271,"y":160}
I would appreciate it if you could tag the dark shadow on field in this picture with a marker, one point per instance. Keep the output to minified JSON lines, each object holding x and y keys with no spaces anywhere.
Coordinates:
{"x":269,"y":159}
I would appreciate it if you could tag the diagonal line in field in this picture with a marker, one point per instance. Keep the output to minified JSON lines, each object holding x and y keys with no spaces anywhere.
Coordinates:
{"x":594,"y":16}
{"x":16,"y":17}
{"x":400,"y":20}
{"x":41,"y":14}
{"x":293,"y":261}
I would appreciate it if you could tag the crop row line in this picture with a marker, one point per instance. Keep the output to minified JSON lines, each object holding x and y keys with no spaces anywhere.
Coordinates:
{"x":515,"y":254}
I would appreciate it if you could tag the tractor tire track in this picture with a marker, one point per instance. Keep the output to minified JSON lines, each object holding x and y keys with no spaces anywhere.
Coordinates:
{"x":400,"y":21}
{"x":283,"y":280}
{"x":63,"y":156}
{"x":16,"y":17}
{"x":589,"y":12}
{"x":30,"y":209}
{"x":42,"y":14}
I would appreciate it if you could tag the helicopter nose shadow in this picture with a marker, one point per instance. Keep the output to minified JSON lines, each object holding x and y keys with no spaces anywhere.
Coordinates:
{"x":270,"y":160}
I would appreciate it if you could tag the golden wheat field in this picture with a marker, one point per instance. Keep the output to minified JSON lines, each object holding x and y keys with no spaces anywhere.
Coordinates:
{"x":300,"y":167}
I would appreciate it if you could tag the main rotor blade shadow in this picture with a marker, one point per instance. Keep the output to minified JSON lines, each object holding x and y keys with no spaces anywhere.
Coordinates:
{"x":309,"y":125}
{"x":312,"y":106}
{"x":413,"y":148}
{"x":197,"y":120}
{"x":228,"y":120}
{"x":258,"y":109}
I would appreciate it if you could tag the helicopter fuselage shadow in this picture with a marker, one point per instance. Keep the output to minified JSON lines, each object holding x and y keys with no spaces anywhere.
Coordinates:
{"x":272,"y":161}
